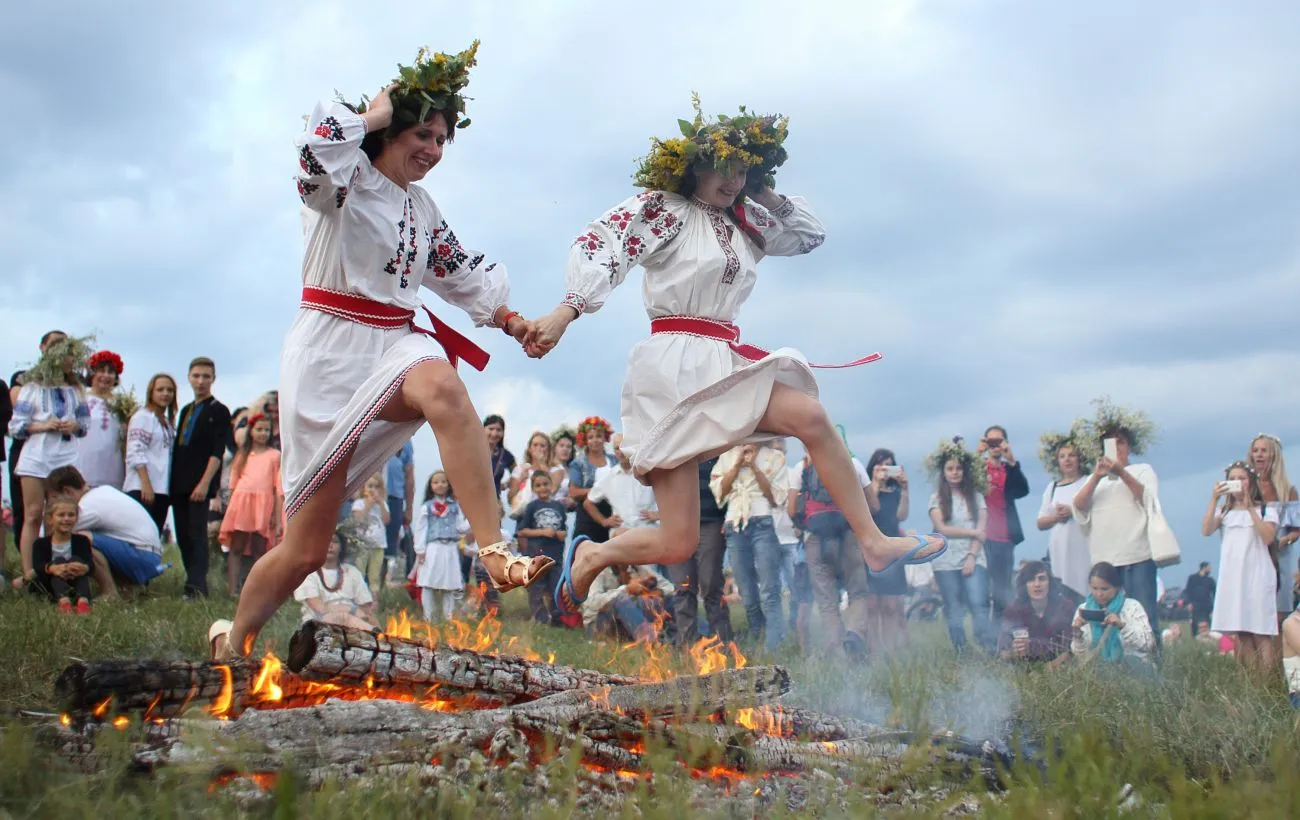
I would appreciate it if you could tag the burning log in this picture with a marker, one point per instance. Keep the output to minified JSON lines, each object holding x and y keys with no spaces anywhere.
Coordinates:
{"x":157,"y":688}
{"x":340,"y":655}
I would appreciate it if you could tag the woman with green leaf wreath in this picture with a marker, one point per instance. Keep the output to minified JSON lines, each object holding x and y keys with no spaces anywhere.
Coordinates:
{"x":693,"y":390}
{"x":358,"y":376}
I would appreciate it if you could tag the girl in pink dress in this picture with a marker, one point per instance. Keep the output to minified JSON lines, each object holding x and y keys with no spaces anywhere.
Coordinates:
{"x":252,"y":520}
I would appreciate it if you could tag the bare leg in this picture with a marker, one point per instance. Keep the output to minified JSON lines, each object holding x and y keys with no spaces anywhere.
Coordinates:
{"x":432,"y":391}
{"x":677,"y":493}
{"x":792,"y":413}
{"x":103,"y":576}
{"x":33,"y":511}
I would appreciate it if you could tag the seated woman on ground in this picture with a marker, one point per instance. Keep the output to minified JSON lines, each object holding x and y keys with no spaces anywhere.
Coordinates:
{"x":337,"y":592}
{"x":627,"y":603}
{"x":1111,"y":625}
{"x":1036,"y":625}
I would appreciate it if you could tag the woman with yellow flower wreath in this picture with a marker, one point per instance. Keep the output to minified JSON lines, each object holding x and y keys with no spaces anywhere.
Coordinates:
{"x":358,"y":376}
{"x":707,"y":217}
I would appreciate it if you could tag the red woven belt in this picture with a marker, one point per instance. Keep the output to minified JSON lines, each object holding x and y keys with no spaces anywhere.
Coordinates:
{"x":729,"y":333}
{"x":370,"y":313}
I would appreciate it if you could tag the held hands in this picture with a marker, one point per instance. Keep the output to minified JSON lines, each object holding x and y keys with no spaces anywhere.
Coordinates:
{"x":542,"y":335}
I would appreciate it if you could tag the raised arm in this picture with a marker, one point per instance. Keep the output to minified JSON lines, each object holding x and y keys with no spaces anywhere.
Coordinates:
{"x":329,"y":151}
{"x":788,"y":225}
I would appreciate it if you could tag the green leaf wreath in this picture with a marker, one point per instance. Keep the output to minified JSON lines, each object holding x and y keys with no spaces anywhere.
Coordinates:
{"x":949,"y":449}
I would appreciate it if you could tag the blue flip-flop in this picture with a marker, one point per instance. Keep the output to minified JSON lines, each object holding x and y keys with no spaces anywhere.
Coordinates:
{"x":566,"y":580}
{"x":909,"y":558}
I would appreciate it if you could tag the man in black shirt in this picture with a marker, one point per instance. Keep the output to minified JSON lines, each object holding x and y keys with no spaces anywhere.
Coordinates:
{"x":700,"y":576}
{"x":201,"y":435}
{"x":1199,"y":595}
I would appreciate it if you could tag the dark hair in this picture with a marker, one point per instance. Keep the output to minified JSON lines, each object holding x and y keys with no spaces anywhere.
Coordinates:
{"x":374,"y":142}
{"x":997,"y":427}
{"x":572,"y":441}
{"x":237,"y":411}
{"x":1028,"y":573}
{"x":428,"y":486}
{"x":1204,"y":564}
{"x":46,"y":338}
{"x":967,"y":490}
{"x":342,"y":541}
{"x":1107,"y":573}
{"x":494,"y":419}
{"x":753,"y":175}
{"x":1117,"y":431}
{"x":202,"y":361}
{"x":879,"y":457}
{"x":532,"y":479}
{"x":62,"y":479}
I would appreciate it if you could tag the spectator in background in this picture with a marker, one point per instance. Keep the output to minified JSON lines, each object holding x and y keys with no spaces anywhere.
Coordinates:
{"x":1006,"y":484}
{"x":957,"y":510}
{"x":519,"y":486}
{"x":1036,"y":625}
{"x":100,"y":453}
{"x":1266,"y":459}
{"x":1067,"y":545}
{"x":1111,"y":508}
{"x":150,"y":438}
{"x":889,"y":499}
{"x":563,"y":450}
{"x":631,"y":503}
{"x":1247,"y":577}
{"x":1291,"y":656}
{"x":627,"y":604}
{"x":6,"y":413}
{"x":834,"y":562}
{"x":254,"y":519}
{"x":542,"y":532}
{"x":1199,"y":595}
{"x":794,"y":560}
{"x":400,"y":481}
{"x":16,"y":445}
{"x":336,"y":593}
{"x":201,"y":438}
{"x":1123,"y":635}
{"x":50,"y":413}
{"x":590,"y":462}
{"x":749,"y":481}
{"x":63,"y":557}
{"x":503,"y":461}
{"x":371,"y":512}
{"x":439,"y":525}
{"x":700,"y":577}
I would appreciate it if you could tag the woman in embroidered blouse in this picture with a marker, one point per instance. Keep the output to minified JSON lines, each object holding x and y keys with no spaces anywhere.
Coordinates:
{"x":150,"y":437}
{"x":99,"y":454}
{"x":707,"y":219}
{"x":50,"y":414}
{"x":357,"y":381}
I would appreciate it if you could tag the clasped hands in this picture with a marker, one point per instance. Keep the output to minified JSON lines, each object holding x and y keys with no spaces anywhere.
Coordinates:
{"x":539,"y":336}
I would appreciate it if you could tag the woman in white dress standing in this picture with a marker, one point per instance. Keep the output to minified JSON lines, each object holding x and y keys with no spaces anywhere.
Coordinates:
{"x":708,"y":216}
{"x":1067,"y":545}
{"x":357,"y":377}
{"x":100,"y":453}
{"x":1244,"y":599}
{"x":150,"y":439}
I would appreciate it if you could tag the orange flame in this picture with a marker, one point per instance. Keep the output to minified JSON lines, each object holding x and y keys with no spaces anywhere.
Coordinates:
{"x":263,"y":780}
{"x":101,"y":708}
{"x":121,"y":722}
{"x":769,"y":720}
{"x":221,"y":704}
{"x":65,"y":719}
{"x":710,"y":655}
{"x":266,"y":686}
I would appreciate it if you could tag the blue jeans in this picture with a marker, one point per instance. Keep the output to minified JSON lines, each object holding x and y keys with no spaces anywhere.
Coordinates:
{"x":756,"y":559}
{"x":139,"y":565}
{"x":962,"y":594}
{"x":1140,"y":583}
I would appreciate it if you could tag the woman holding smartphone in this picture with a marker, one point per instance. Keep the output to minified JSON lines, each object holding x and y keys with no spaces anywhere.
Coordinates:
{"x":1244,"y":601}
{"x":1109,"y":624}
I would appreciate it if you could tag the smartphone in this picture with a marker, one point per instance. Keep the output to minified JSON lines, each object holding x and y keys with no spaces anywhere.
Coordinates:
{"x":1095,"y":616}
{"x":1110,"y":449}
{"x":1232,"y":485}
{"x":892,"y":471}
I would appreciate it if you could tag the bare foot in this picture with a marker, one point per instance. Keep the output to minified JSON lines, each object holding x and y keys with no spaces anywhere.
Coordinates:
{"x":880,"y":554}
{"x":586,"y":566}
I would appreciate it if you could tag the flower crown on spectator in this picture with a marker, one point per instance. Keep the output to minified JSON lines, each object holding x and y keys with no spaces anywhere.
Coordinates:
{"x":49,"y":369}
{"x":108,"y":357}
{"x":562,"y":431}
{"x":971,"y":464}
{"x":592,"y":423}
{"x":434,"y":83}
{"x":755,"y":141}
{"x":1050,"y":443}
{"x":1110,"y":418}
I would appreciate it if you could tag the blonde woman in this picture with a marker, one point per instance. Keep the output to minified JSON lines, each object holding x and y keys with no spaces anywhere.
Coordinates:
{"x":537,"y":456}
{"x":1265,"y":458}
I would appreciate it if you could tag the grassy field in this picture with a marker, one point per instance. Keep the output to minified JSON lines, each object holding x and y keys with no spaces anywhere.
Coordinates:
{"x":1202,"y":741}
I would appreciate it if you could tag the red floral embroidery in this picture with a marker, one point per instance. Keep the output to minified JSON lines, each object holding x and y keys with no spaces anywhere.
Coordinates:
{"x":722,"y":231}
{"x":591,"y":244}
{"x":339,"y":196}
{"x":306,"y":189}
{"x":618,"y":222}
{"x":329,"y":129}
{"x":447,"y":255}
{"x":309,"y":164}
{"x":405,"y":246}
{"x":633,"y":247}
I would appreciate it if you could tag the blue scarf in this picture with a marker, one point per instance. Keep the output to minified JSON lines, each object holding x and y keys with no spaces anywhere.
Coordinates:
{"x":1113,"y":649}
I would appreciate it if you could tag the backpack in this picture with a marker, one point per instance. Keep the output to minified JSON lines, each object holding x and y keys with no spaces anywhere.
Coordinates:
{"x":825,"y":520}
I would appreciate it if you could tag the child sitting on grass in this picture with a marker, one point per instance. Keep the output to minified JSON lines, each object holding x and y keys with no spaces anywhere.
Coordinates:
{"x":337,"y":593}
{"x":63,"y":558}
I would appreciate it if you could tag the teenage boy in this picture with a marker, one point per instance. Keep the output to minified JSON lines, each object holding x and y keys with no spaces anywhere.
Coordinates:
{"x":201,"y":436}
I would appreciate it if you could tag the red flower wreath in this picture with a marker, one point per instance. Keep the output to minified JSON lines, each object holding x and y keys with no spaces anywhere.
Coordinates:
{"x":591,"y":423}
{"x":104,"y":357}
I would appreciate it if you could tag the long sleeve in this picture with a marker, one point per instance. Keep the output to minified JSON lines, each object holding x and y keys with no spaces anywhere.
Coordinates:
{"x":791,"y":230}
{"x":329,"y":152}
{"x":462,"y":277}
{"x":779,"y":477}
{"x":80,"y":412}
{"x":720,"y":468}
{"x":420,"y":526}
{"x":29,"y":397}
{"x":1080,"y":639}
{"x":139,"y":438}
{"x":603,"y":590}
{"x":1017,"y":485}
{"x":1136,"y":635}
{"x":42,"y":553}
{"x":221,"y":428}
{"x":626,"y":236}
{"x":81,"y":550}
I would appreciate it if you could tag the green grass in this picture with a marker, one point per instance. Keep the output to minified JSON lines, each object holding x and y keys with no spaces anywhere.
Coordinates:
{"x":1201,"y":741}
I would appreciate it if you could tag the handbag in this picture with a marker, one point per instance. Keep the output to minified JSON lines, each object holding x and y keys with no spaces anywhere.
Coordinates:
{"x":1164,"y":546}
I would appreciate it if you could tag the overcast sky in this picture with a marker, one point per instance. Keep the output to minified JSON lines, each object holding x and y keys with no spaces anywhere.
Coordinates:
{"x":1027,"y":204}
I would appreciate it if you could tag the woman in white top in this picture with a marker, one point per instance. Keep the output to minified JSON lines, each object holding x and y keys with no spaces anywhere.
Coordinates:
{"x":959,"y":512}
{"x":336,"y":593}
{"x":1110,"y":625}
{"x":708,"y":217}
{"x":537,"y":456}
{"x":50,"y":413}
{"x":357,"y":379}
{"x":150,"y":438}
{"x":1244,"y":597}
{"x":100,"y":453}
{"x":1275,"y":487}
{"x":1067,"y":545}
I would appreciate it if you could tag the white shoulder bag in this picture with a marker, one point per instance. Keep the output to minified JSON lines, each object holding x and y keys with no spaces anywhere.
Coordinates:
{"x":1164,"y":546}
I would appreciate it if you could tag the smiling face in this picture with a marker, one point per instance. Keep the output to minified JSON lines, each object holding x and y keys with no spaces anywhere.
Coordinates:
{"x":63,"y":516}
{"x":415,"y":151}
{"x":164,"y":392}
{"x":716,"y":188}
{"x":261,"y":432}
{"x":104,"y":379}
{"x":439,"y":485}
{"x":1067,"y":458}
{"x":495,"y":432}
{"x":595,"y":439}
{"x":542,"y":485}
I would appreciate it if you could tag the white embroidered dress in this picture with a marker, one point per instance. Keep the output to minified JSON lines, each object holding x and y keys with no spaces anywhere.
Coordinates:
{"x":686,"y":396}
{"x":367,"y":237}
{"x":100,"y":455}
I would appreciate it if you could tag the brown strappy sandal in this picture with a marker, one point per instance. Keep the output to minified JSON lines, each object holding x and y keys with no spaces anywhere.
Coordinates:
{"x":534,"y":567}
